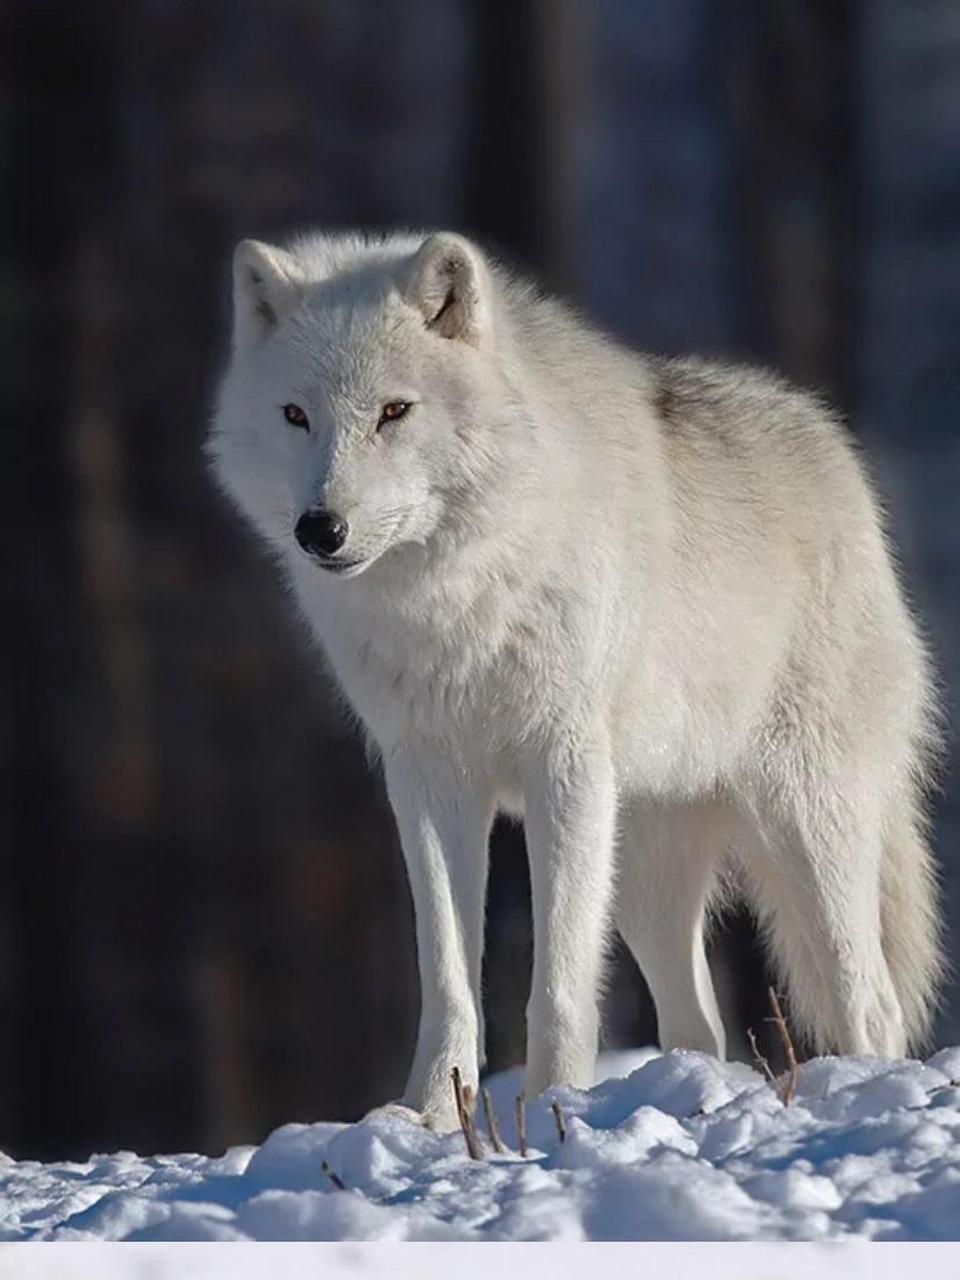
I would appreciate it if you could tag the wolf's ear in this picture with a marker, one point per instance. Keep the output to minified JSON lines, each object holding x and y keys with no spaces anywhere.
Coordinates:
{"x":266,"y":287}
{"x":447,"y":282}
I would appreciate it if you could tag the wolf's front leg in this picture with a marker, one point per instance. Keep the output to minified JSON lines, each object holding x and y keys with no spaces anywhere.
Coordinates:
{"x":444,"y":826}
{"x":570,"y":809}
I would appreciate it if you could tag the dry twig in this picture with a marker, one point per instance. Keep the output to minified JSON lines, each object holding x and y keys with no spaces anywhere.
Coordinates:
{"x":463,"y":1099}
{"x":334,"y":1177}
{"x":788,"y":1088}
{"x":558,"y":1117}
{"x":492,"y":1127}
{"x":760,"y":1060}
{"x":520,"y":1116}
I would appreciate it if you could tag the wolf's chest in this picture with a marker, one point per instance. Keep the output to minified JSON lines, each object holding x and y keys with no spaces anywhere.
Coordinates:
{"x":443,"y":684}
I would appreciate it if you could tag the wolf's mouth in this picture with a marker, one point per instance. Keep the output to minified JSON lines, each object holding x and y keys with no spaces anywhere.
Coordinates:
{"x":337,"y":566}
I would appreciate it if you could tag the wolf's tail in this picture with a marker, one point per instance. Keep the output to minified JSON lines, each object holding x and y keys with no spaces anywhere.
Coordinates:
{"x":910,"y":922}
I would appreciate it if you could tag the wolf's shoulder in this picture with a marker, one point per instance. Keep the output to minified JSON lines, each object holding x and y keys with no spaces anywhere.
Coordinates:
{"x":741,"y":402}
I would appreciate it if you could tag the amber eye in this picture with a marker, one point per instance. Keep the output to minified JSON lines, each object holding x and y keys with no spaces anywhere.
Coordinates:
{"x":393,"y":411}
{"x":296,"y":417}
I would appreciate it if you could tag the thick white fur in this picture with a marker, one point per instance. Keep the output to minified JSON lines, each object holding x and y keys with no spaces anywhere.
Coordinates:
{"x":647,"y":605}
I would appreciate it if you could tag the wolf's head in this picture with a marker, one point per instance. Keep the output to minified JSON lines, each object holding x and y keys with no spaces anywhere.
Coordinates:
{"x":365,"y":406}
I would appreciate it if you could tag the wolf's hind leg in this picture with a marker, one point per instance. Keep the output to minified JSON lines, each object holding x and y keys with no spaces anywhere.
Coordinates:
{"x":816,"y":879}
{"x":668,"y":866}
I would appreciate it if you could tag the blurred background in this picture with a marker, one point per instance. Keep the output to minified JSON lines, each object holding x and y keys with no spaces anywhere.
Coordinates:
{"x":205,"y":929}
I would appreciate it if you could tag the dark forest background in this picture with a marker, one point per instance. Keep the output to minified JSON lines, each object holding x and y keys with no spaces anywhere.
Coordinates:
{"x":204,"y":925}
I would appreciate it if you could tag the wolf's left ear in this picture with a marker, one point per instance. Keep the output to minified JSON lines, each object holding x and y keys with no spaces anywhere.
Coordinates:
{"x":266,"y":287}
{"x":447,"y":282}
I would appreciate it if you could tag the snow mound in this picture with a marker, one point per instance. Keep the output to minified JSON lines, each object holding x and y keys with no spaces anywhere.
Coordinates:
{"x":681,"y":1147}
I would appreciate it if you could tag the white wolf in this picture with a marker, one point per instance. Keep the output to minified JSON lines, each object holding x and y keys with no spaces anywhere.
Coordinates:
{"x":646,"y":605}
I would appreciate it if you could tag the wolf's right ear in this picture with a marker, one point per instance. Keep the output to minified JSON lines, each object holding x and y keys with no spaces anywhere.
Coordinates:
{"x":266,"y":287}
{"x":447,"y":282}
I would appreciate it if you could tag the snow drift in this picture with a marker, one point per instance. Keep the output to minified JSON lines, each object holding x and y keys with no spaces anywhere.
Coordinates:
{"x":681,"y":1148}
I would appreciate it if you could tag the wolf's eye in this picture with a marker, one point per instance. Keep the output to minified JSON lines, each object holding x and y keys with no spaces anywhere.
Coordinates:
{"x":393,"y":411}
{"x":296,"y":417}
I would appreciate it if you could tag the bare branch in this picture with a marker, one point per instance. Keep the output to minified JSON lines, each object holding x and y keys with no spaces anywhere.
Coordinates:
{"x":334,"y":1177}
{"x":463,"y":1100}
{"x":760,"y":1060}
{"x":492,"y":1127}
{"x":788,"y":1088}
{"x":520,"y":1116}
{"x":558,"y":1117}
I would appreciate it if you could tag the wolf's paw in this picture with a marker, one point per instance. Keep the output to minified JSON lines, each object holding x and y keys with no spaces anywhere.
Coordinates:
{"x":438,"y":1113}
{"x":441,"y":1119}
{"x":397,"y":1111}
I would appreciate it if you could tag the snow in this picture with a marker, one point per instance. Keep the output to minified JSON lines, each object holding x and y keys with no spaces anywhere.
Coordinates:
{"x":669,"y":1147}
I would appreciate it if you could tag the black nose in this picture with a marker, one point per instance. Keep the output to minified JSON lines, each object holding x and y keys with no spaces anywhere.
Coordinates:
{"x":321,"y":532}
